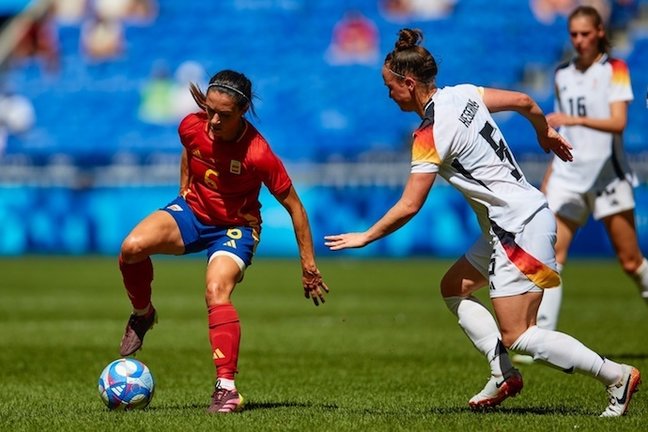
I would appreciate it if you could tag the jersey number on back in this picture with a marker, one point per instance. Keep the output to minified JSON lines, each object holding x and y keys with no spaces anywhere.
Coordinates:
{"x":500,"y":148}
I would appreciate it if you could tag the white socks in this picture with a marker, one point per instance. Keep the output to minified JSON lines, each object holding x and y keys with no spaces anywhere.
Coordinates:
{"x":480,"y":327}
{"x":568,"y":354}
{"x":557,"y":349}
{"x":226,"y":384}
{"x":549,"y":309}
{"x":640,"y":277}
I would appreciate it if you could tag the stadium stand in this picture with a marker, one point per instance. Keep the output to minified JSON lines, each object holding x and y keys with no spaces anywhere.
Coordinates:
{"x":312,"y":112}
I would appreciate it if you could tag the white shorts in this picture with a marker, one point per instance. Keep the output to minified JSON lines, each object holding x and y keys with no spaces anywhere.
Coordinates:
{"x":615,"y":197}
{"x":515,"y":264}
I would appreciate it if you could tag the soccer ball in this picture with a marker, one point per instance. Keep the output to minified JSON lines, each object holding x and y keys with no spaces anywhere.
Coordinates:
{"x":126,"y":384}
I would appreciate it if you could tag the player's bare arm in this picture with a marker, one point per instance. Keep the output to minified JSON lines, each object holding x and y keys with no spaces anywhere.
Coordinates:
{"x":314,"y":286}
{"x":414,"y":195}
{"x":184,"y":172}
{"x":616,"y":123}
{"x":497,"y":100}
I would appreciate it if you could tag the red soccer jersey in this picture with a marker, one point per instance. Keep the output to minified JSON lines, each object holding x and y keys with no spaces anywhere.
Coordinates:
{"x":225,"y":177}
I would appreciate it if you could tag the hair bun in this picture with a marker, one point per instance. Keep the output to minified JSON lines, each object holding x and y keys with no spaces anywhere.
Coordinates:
{"x":408,"y":38}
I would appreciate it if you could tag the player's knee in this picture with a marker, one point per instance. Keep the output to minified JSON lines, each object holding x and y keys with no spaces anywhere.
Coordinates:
{"x":131,"y":249}
{"x":218,"y":293}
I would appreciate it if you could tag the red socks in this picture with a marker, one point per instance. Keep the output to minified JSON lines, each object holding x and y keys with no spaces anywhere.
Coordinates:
{"x":225,"y":338}
{"x":137,"y":280}
{"x":224,"y":325}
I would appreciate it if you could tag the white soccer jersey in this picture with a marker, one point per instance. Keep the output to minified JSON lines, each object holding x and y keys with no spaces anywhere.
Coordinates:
{"x":598,"y":156}
{"x":459,"y":139}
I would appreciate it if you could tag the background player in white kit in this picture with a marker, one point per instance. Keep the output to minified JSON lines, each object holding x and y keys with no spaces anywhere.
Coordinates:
{"x":459,"y":140}
{"x":592,"y":95}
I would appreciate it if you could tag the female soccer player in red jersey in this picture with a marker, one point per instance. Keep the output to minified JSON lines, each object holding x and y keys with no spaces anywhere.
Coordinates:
{"x":592,"y":95}
{"x":459,"y":140}
{"x":225,"y":160}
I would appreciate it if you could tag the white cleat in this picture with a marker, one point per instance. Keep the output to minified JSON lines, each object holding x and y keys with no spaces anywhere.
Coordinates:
{"x":497,"y":389}
{"x":621,"y":392}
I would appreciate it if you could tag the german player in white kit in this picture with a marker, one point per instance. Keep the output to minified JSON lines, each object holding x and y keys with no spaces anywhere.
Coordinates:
{"x":459,"y":140}
{"x":592,"y":95}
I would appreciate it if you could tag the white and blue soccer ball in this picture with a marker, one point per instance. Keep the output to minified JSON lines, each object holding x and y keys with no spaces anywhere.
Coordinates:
{"x":126,"y":384}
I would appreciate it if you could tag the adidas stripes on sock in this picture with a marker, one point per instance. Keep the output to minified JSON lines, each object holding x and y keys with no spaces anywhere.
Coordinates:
{"x":225,"y":339}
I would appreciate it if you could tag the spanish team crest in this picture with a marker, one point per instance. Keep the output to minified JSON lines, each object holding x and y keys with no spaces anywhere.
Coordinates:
{"x":235,"y":167}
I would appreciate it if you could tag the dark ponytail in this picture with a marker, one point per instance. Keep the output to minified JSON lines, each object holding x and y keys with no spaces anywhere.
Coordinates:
{"x":230,"y":82}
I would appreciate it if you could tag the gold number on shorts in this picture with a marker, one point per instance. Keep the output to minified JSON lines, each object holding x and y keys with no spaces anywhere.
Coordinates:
{"x":234,"y":233}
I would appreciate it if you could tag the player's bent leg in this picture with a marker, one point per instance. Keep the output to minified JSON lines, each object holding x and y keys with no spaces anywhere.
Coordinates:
{"x":479,"y":325}
{"x":569,"y":355}
{"x":517,"y":314}
{"x":623,"y":235}
{"x":157,"y":233}
{"x":223,"y":271}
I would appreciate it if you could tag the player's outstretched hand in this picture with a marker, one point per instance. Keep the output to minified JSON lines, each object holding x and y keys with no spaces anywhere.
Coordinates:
{"x":553,"y":141}
{"x":345,"y":241}
{"x":314,"y":286}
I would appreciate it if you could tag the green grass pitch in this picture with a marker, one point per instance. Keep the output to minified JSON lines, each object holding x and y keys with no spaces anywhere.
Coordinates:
{"x":383,"y":353}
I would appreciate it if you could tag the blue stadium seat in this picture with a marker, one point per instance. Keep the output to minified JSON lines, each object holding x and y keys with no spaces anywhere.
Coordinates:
{"x":338,"y":110}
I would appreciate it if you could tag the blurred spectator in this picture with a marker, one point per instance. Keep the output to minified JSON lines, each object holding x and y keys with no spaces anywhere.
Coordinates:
{"x":396,"y":10}
{"x":127,"y":11}
{"x":432,"y":9}
{"x":112,"y":9}
{"x":403,"y":11}
{"x":157,"y":97}
{"x":16,"y":115}
{"x":102,"y":38}
{"x":37,"y":38}
{"x":183,"y":103}
{"x":142,"y":12}
{"x":547,"y":11}
{"x":70,"y":12}
{"x":354,"y":41}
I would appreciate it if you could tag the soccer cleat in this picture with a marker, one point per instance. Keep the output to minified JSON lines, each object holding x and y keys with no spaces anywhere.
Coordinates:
{"x":136,"y":328}
{"x":621,"y":392}
{"x":225,"y":401}
{"x":497,"y":389}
